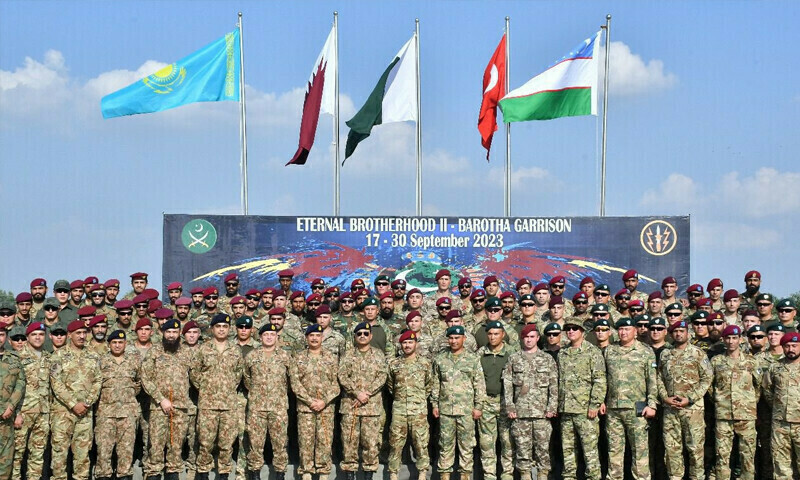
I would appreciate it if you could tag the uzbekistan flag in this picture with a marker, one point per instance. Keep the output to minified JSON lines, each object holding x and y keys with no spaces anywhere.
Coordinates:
{"x":566,"y":89}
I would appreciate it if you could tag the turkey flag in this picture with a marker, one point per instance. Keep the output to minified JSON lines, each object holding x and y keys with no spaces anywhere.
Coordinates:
{"x":494,"y":88}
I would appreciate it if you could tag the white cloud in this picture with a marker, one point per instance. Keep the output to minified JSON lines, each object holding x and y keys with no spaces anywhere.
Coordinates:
{"x":630,"y":75}
{"x":36,"y":75}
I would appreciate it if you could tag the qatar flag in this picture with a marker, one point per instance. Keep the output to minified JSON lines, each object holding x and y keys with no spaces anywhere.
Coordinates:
{"x":494,"y":88}
{"x":320,"y":98}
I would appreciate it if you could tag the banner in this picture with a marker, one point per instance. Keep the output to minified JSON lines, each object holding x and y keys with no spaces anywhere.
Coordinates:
{"x":199,"y":250}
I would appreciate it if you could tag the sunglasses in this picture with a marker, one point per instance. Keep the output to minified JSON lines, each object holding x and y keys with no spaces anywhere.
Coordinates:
{"x":673,"y":314}
{"x":399,"y":287}
{"x":466,"y":285}
{"x":332,"y":295}
{"x":718,"y":322}
{"x":348,"y":301}
{"x":212,"y":297}
{"x":59,"y":333}
{"x":318,"y":287}
{"x":444,"y":307}
{"x":602,"y":329}
{"x":231,"y":284}
{"x":18,"y":338}
{"x":125,"y":314}
{"x":763,"y":304}
{"x":601,"y":294}
{"x":582,"y":302}
{"x":623,"y":297}
{"x":557,"y":285}
{"x":6,"y":314}
{"x":757,"y":337}
{"x":695,"y":294}
{"x":657,"y":329}
{"x":785,"y":310}
{"x":140,"y":305}
{"x":494,"y":310}
{"x":62,"y":290}
{"x":362,"y":334}
{"x":243,"y":327}
{"x":700,"y":324}
{"x":572,"y":328}
{"x":526,"y":305}
{"x":551,"y":334}
{"x":252,"y":297}
{"x":51,"y":309}
{"x":643,"y":325}
{"x":600,"y":314}
{"x":314,"y":304}
{"x":479,"y":300}
{"x":637,"y":309}
{"x":98,"y":295}
{"x":382,"y":284}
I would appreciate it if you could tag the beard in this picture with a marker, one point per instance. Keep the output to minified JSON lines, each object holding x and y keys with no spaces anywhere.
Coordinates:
{"x":334,"y":305}
{"x":38,"y":297}
{"x":170,"y":346}
{"x":99,"y":336}
{"x":790,"y":355}
{"x":387,"y":313}
{"x":751,"y":289}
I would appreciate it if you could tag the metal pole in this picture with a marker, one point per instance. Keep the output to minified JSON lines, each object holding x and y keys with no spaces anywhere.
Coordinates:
{"x":607,"y":27}
{"x":507,"y":203}
{"x":419,"y":125}
{"x":336,"y":116}
{"x":243,"y":117}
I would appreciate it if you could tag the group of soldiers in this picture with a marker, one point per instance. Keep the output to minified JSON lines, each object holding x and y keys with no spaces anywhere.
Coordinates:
{"x":544,"y":384}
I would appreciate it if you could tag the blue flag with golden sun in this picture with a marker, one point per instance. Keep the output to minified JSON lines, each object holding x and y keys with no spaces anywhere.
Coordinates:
{"x":210,"y":74}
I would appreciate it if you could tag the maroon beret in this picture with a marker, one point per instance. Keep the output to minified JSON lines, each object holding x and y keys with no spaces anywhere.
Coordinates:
{"x":190,"y":325}
{"x":210,"y":291}
{"x":163,"y":314}
{"x":76,"y":284}
{"x":678,"y":324}
{"x":321,"y":310}
{"x":412,"y":292}
{"x":539,"y":287}
{"x":622,"y":292}
{"x":317,"y":281}
{"x":91,"y":281}
{"x":792,"y":337}
{"x":314,"y":297}
{"x":332,"y":290}
{"x":654,"y":295}
{"x":141,"y":298}
{"x":667,"y":281}
{"x":752,"y":274}
{"x":407,"y":335}
{"x":87,"y":311}
{"x":714,"y":283}
{"x":528,"y":328}
{"x":580,"y":296}
{"x":635,"y":303}
{"x":35,"y":326}
{"x":175,"y":286}
{"x":715,"y":316}
{"x":231,"y":277}
{"x":695,"y":288}
{"x":387,"y":295}
{"x":286,"y":273}
{"x":453,"y":314}
{"x":413,"y":314}
{"x":123,"y":305}
{"x":442,"y":273}
{"x":489,"y":280}
{"x":24,"y":297}
{"x":297,"y":294}
{"x":507,"y":295}
{"x":268,"y":291}
{"x":750,"y":313}
{"x":443,"y":300}
{"x":96,"y":320}
{"x":355,"y":283}
{"x":557,"y":279}
{"x":586,"y":281}
{"x":143,"y":322}
{"x":95,"y":287}
{"x":150,"y":293}
{"x":277,"y":292}
{"x":461,"y":281}
{"x":730,"y":295}
{"x":110,"y":283}
{"x":478,"y":292}
{"x":38,"y":282}
{"x":183,"y":301}
{"x":347,"y":295}
{"x":154,"y":305}
{"x":523,"y":281}
{"x":630,"y":274}
{"x":276,"y":311}
{"x":253,"y":291}
{"x":196,"y":291}
{"x":75,"y":325}
{"x":237,"y":300}
{"x":137,"y":275}
{"x":555,"y":300}
{"x":703,"y":302}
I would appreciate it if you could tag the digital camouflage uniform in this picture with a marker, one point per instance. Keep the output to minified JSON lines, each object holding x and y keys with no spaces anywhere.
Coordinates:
{"x":425,"y":346}
{"x":632,"y":377}
{"x":737,"y":385}
{"x":362,"y":424}
{"x":33,"y":435}
{"x":266,"y":376}
{"x":290,"y":340}
{"x":74,"y":377}
{"x":12,"y":390}
{"x":428,"y":307}
{"x":458,"y":388}
{"x":334,"y":342}
{"x":685,"y":373}
{"x":581,"y":387}
{"x":530,"y":389}
{"x":314,"y":376}
{"x":410,"y":381}
{"x":217,"y":376}
{"x":782,"y":390}
{"x":494,"y":423}
{"x":117,"y":413}
{"x":440,"y":344}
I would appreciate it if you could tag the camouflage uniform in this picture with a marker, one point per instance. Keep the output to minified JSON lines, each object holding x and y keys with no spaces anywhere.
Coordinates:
{"x":764,"y":466}
{"x":428,"y":307}
{"x":266,"y":376}
{"x":410,"y":381}
{"x":314,"y":376}
{"x":165,"y":376}
{"x":530,"y":389}
{"x":581,"y":387}
{"x":782,"y":390}
{"x":440,"y":344}
{"x":686,"y":373}
{"x":217,"y":377}
{"x":494,"y":422}
{"x":291,"y":341}
{"x":511,"y":338}
{"x":632,"y":378}
{"x":12,"y":390}
{"x":117,"y":412}
{"x":35,"y":410}
{"x":458,"y":388}
{"x":74,"y":377}
{"x":737,"y":384}
{"x":425,"y":346}
{"x":334,"y":342}
{"x":344,"y":324}
{"x":362,"y":425}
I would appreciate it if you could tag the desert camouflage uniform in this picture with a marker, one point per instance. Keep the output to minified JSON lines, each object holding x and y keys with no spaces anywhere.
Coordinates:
{"x":782,"y":390}
{"x":764,"y":466}
{"x":35,"y":410}
{"x":410,"y":381}
{"x":290,"y":340}
{"x":494,"y":423}
{"x":12,"y":391}
{"x":334,"y":342}
{"x":425,"y":346}
{"x":428,"y":307}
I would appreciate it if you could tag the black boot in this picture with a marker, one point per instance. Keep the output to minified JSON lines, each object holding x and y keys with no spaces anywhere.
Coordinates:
{"x":368,"y":475}
{"x":172,"y":476}
{"x":350,"y":475}
{"x":201,"y":476}
{"x":154,"y":477}
{"x":253,"y":475}
{"x":102,"y":478}
{"x":280,"y":475}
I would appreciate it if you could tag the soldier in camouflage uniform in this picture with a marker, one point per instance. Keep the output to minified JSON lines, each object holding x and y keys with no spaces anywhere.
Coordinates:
{"x":458,"y":397}
{"x":332,"y":340}
{"x":138,"y":283}
{"x":443,"y":282}
{"x":231,"y":282}
{"x":442,"y":344}
{"x":410,"y":381}
{"x":206,"y":313}
{"x":290,"y":340}
{"x":630,"y":401}
{"x":98,"y":327}
{"x":345,"y":319}
{"x":752,"y":283}
{"x":266,"y":376}
{"x":75,"y":380}
{"x":494,"y":423}
{"x":217,"y":375}
{"x":684,"y":377}
{"x":118,"y":409}
{"x":631,"y":280}
{"x":424,"y":343}
{"x":530,"y":394}
{"x":191,"y":340}
{"x":12,"y":390}
{"x":314,"y":380}
{"x":782,"y":390}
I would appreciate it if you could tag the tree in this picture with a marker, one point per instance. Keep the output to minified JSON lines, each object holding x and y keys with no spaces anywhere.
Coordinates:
{"x":6,"y":296}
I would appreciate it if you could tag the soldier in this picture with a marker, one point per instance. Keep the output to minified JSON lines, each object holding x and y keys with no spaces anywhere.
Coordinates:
{"x":138,"y":283}
{"x":655,"y":304}
{"x":362,"y":375}
{"x":435,"y":325}
{"x":414,"y":300}
{"x":731,"y":304}
{"x":587,"y":286}
{"x":118,"y":409}
{"x":442,"y":344}
{"x":332,"y":340}
{"x":12,"y":390}
{"x":581,"y":391}
{"x":630,"y":401}
{"x":123,"y":319}
{"x":580,"y":302}
{"x":658,"y":342}
{"x":165,"y":375}
{"x":197,"y":299}
{"x":75,"y":380}
{"x":464,"y":292}
{"x":98,"y":326}
{"x":285,"y":278}
{"x":182,"y":309}
{"x":477,"y":310}
{"x":346,"y":318}
{"x":97,"y":299}
{"x":111,"y":287}
{"x":231,"y":282}
{"x":252,"y":300}
{"x":423,"y":345}
{"x":394,"y":322}
{"x":527,"y":307}
{"x":210,"y":308}
{"x":782,"y":391}
{"x":494,"y":312}
{"x":552,"y":334}
{"x":314,"y":380}
{"x":508,"y":302}
{"x":494,"y":423}
{"x":32,"y":422}
{"x":684,"y":377}
{"x":24,"y":303}
{"x":58,"y":335}
{"x":295,"y":318}
{"x":399,"y":294}
{"x":246,"y":343}
{"x":631,"y":280}
{"x":174,"y":292}
{"x":458,"y":397}
{"x":530,"y":392}
{"x":642,"y":323}
{"x":144,"y":333}
{"x":601,"y":334}
{"x":700,"y":337}
{"x":380,"y":337}
{"x":266,"y":376}
{"x":410,"y":381}
{"x":492,"y":286}
{"x":76,"y":294}
{"x":541,"y":295}
{"x":752,"y":283}
{"x":191,"y":341}
{"x":557,"y":286}
{"x":693,"y":294}
{"x":787,"y":312}
{"x":443,"y":286}
{"x":217,"y":375}
{"x":17,"y":339}
{"x":288,"y":339}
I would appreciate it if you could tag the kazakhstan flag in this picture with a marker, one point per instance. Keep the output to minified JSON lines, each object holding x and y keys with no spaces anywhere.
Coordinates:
{"x":210,"y":74}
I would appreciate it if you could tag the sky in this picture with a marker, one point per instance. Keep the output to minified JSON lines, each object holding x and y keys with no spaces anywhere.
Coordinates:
{"x":703,"y":116}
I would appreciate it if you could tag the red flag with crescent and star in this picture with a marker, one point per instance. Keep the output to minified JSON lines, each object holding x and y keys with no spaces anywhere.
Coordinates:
{"x":494,"y":88}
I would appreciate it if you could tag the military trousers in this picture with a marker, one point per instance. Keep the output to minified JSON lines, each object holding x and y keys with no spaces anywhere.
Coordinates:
{"x":402,"y":427}
{"x":259,"y":425}
{"x":621,"y":425}
{"x":31,"y":438}
{"x":362,"y":431}
{"x":216,"y":428}
{"x":241,"y":428}
{"x":785,"y":438}
{"x":724,"y":433}
{"x":192,"y":444}
{"x":684,"y":428}
{"x":6,"y":448}
{"x":575,"y":428}
{"x":456,"y":429}
{"x":71,"y":432}
{"x":531,"y":442}
{"x":764,"y":466}
{"x":165,"y":432}
{"x":108,"y":434}
{"x":494,"y":424}
{"x":315,"y":434}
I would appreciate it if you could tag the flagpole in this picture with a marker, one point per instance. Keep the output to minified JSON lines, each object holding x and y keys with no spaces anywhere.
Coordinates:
{"x":242,"y":118}
{"x":507,"y":203}
{"x":419,"y":125}
{"x":607,"y":27}
{"x":336,"y":116}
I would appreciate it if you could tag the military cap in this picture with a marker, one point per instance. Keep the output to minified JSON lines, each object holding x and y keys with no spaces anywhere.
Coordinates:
{"x":369,"y":301}
{"x":50,"y":302}
{"x":154,"y":305}
{"x":75,"y":325}
{"x":587,"y":281}
{"x":345,"y":296}
{"x":792,"y":337}
{"x":97,"y":320}
{"x":277,"y":292}
{"x":658,"y":322}
{"x":196,"y":291}
{"x":220,"y":318}
{"x":38,"y":282}
{"x":752,"y":274}
{"x":507,"y":294}
{"x":356,"y":284}
{"x":478,"y":292}
{"x":91,"y":280}
{"x":630,"y":274}
{"x":335,"y":290}
{"x":3,"y":327}
{"x":493,"y":324}
{"x":786,"y":303}
{"x":621,"y":292}
{"x":407,"y":335}
{"x":555,"y":300}
{"x":123,"y":305}
{"x":579,"y":296}
{"x":172,"y":324}
{"x":143,"y":322}
{"x":322,"y":310}
{"x":602,"y":288}
{"x":699,"y":315}
{"x":163,"y":313}
{"x":540,"y":287}
{"x":730,"y":295}
{"x":314,"y":297}
{"x":313,"y":328}
{"x":207,"y":292}
{"x":695,"y":288}
{"x":60,"y":326}
{"x":732,"y":330}
{"x":362,"y":326}
{"x":704,"y":302}
{"x":238,"y":300}
{"x":317,"y":281}
{"x":461,"y":281}
{"x":624,"y":322}
{"x":116,"y":335}
{"x":600,"y":308}
{"x":137,"y":275}
{"x":522,"y":282}
{"x":297,"y":294}
{"x":714,"y":283}
{"x":412,"y":315}
{"x":379,"y":278}
{"x":76,"y":284}
{"x":443,"y":300}
{"x":715,"y":316}
{"x":574,"y":321}
{"x":602,"y":322}
{"x":231,"y":277}
{"x":489,"y":280}
{"x":455,"y":330}
{"x":95,"y":287}
{"x":267,"y":327}
{"x":677,"y":324}
{"x":401,"y":284}
{"x":175,"y":286}
{"x":253,"y":292}
{"x":412,"y":292}
{"x":776,"y":327}
{"x":453,"y":314}
{"x":244,"y":321}
{"x":755,"y":329}
{"x":654,"y":295}
{"x":35,"y":327}
{"x":8,"y":305}
{"x":765,"y":297}
{"x":288,"y":273}
{"x":673,"y":306}
{"x":183,"y":301}
{"x":23,"y":297}
{"x":61,"y":285}
{"x":643,"y":318}
{"x":552,"y":327}
{"x":87,"y":311}
{"x":386,"y":295}
{"x":189,"y":325}
{"x":528,"y":328}
{"x":636,"y":303}
{"x":526,"y":297}
{"x":492,"y":302}
{"x":17,"y":331}
{"x":557,"y":279}
{"x":110,"y":283}
{"x":276,"y":311}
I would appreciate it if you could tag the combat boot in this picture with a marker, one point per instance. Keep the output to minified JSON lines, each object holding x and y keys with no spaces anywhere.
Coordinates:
{"x":253,"y":475}
{"x":154,"y":477}
{"x":102,"y":478}
{"x":172,"y":476}
{"x":201,"y":476}
{"x":423,"y":475}
{"x":280,"y":475}
{"x":350,"y":475}
{"x":368,"y":475}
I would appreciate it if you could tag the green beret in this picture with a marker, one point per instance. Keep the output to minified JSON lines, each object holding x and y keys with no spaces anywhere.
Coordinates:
{"x":787,"y":303}
{"x":60,"y":326}
{"x":244,"y":321}
{"x":527,"y":296}
{"x":600,"y":308}
{"x":765,"y":297}
{"x":494,"y":324}
{"x":17,"y":331}
{"x":699,"y":315}
{"x":603,"y":322}
{"x":552,"y":327}
{"x":776,"y":327}
{"x":624,"y":322}
{"x":673,"y":306}
{"x":492,"y":302}
{"x":381,"y":278}
{"x":658,"y":321}
{"x":455,"y":330}
{"x":642,"y":318}
{"x":602,"y":288}
{"x":369,"y":301}
{"x":61,"y":285}
{"x":51,"y":302}
{"x":8,"y":305}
